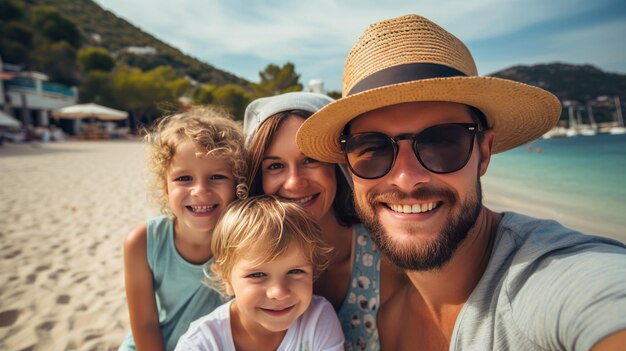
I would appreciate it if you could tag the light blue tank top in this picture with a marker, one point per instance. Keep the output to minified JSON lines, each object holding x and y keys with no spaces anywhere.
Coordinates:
{"x":180,"y":295}
{"x":358,"y":311}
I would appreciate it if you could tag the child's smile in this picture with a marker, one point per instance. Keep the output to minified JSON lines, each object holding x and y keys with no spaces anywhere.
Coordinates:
{"x":199,"y":188}
{"x":201,"y":209}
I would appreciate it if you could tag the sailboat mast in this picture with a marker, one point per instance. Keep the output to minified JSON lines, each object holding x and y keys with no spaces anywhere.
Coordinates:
{"x":618,"y":111}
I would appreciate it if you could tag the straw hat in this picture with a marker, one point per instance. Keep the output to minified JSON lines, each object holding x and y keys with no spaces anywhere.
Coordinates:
{"x":410,"y":58}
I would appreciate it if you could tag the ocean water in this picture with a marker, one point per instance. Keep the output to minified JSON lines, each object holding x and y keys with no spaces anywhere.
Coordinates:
{"x":579,"y":180}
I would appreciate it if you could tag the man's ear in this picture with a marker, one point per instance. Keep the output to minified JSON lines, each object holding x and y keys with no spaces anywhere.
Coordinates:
{"x":486,"y":148}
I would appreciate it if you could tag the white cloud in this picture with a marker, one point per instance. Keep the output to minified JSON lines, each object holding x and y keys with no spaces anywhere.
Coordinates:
{"x":266,"y":28}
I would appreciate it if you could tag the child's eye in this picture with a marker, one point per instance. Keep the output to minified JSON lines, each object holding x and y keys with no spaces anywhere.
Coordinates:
{"x":296,"y":271}
{"x":183,"y":179}
{"x":256,"y":275}
{"x":218,"y":176}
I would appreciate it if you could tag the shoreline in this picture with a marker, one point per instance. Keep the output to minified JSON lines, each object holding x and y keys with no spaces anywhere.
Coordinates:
{"x":499,"y":198}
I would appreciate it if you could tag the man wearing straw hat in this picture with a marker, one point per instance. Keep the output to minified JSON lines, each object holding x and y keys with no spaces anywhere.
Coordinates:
{"x":416,"y":127}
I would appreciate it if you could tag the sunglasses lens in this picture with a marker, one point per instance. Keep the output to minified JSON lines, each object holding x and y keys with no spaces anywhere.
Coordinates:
{"x":370,"y":155}
{"x":444,"y":148}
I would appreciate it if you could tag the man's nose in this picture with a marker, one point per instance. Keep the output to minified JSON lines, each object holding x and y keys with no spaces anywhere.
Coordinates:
{"x":407,"y":173}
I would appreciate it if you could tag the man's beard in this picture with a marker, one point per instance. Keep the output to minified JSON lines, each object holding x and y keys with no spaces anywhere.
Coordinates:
{"x":431,"y":255}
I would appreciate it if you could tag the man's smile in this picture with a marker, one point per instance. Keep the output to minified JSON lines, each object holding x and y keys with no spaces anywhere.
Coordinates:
{"x":414,"y":208}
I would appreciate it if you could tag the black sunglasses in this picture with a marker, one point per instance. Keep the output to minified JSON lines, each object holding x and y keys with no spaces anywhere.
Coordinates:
{"x":444,"y":148}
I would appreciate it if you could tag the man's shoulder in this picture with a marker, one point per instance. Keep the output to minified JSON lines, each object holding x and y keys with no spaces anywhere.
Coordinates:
{"x":529,"y":236}
{"x":532,"y":256}
{"x":546,"y":285}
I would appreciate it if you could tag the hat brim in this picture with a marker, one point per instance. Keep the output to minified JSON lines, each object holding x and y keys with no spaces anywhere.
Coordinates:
{"x":517,"y":112}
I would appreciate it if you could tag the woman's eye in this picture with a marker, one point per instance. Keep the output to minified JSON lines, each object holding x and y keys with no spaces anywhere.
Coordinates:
{"x":273,"y":166}
{"x":312,"y":163}
{"x":183,"y":179}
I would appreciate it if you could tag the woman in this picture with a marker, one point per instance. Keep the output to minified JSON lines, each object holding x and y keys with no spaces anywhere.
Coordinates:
{"x":352,"y":282}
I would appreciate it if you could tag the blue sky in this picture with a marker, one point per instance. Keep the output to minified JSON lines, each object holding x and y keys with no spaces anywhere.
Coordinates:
{"x":243,"y":36}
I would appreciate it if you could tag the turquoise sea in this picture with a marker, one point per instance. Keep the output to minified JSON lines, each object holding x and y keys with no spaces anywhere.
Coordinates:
{"x":580,"y":181}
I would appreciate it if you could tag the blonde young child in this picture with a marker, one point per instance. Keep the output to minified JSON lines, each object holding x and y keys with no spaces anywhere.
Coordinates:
{"x":267,"y":252}
{"x":199,"y":164}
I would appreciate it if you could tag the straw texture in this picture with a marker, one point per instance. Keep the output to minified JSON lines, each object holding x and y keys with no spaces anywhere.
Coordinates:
{"x":517,"y":112}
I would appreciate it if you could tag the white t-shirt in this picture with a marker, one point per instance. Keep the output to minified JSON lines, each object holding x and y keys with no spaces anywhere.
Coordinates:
{"x":316,"y":329}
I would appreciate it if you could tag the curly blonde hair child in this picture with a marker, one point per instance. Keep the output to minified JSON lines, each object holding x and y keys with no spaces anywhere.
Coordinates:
{"x":199,"y":164}
{"x":207,"y":128}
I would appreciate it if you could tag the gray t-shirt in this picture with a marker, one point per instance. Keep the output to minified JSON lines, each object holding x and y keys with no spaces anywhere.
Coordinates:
{"x":546,"y":287}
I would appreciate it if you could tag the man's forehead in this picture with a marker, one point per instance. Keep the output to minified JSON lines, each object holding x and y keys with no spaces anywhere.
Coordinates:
{"x":420,"y":115}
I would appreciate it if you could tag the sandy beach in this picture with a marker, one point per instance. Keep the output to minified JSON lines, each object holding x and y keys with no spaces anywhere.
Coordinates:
{"x":66,"y":208}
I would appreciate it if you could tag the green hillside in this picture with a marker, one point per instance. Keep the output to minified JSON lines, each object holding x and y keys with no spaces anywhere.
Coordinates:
{"x":116,"y":34}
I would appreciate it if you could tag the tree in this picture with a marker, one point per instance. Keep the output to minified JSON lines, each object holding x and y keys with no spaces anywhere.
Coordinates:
{"x":277,"y":80}
{"x":55,"y":27}
{"x":204,"y":95}
{"x":58,"y":61}
{"x":143,"y":93}
{"x":91,"y":59}
{"x":16,"y":42}
{"x":11,"y":10}
{"x":233,"y":98}
{"x":97,"y":87}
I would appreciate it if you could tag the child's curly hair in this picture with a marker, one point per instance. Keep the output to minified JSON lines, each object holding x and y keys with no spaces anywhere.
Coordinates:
{"x":209,"y":128}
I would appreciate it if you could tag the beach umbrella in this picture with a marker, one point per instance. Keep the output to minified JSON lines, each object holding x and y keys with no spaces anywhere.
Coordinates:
{"x":90,"y":110}
{"x":8,"y":121}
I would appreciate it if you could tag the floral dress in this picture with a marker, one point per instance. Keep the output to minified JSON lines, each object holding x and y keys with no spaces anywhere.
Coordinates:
{"x":360,"y":307}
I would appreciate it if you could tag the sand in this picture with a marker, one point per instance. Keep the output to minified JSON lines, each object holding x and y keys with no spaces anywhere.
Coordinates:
{"x":66,"y":208}
{"x":500,"y":196}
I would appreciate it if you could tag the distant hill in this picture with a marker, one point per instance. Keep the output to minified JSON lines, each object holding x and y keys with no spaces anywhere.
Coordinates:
{"x":580,"y":83}
{"x":103,"y":28}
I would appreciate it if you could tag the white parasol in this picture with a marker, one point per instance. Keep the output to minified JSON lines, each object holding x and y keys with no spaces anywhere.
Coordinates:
{"x":90,"y":110}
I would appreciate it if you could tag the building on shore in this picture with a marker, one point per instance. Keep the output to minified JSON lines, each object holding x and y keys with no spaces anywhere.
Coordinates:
{"x":30,"y":97}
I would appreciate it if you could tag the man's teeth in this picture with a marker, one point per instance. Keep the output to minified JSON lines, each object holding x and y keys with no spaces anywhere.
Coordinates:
{"x":417,"y":208}
{"x":202,"y":209}
{"x":304,"y":200}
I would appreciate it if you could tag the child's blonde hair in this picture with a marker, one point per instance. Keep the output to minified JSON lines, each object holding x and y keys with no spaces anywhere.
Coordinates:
{"x":263,"y":227}
{"x":210,"y":129}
